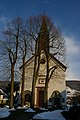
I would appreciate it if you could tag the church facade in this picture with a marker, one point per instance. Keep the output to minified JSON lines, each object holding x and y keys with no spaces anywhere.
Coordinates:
{"x":56,"y":88}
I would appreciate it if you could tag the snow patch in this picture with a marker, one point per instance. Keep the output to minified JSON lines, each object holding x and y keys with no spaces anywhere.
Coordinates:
{"x":71,"y":92}
{"x":4,"y":112}
{"x":53,"y":115}
{"x":24,"y":107}
{"x":43,"y":109}
{"x":12,"y":109}
{"x":29,"y":110}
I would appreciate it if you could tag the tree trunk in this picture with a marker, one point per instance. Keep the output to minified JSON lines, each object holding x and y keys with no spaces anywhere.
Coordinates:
{"x":35,"y":75}
{"x":23,"y":79}
{"x":33,"y":94}
{"x":33,"y":83}
{"x":46,"y":83}
{"x":12,"y":85}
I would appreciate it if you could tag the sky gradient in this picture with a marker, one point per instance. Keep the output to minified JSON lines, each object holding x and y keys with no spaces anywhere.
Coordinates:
{"x":64,"y":13}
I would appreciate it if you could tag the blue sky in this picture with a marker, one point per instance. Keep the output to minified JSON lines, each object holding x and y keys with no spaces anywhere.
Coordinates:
{"x":64,"y":13}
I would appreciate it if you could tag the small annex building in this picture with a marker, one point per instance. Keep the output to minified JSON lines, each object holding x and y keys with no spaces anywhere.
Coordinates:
{"x":56,"y":84}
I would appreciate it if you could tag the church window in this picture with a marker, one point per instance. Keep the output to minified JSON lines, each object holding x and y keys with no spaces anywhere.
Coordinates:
{"x":42,"y":61}
{"x":41,"y":81}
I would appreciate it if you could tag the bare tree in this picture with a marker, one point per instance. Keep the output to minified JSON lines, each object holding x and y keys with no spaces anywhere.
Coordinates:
{"x":56,"y":39}
{"x":13,"y":52}
{"x":24,"y":47}
{"x":10,"y":48}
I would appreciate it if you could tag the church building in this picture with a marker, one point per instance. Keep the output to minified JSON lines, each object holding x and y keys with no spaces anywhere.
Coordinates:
{"x":49,"y":72}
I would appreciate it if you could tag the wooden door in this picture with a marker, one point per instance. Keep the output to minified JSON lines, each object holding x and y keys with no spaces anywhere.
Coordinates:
{"x":40,"y":97}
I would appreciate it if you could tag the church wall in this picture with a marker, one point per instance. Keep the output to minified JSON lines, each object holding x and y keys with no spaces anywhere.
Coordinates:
{"x":57,"y":82}
{"x":28,"y":76}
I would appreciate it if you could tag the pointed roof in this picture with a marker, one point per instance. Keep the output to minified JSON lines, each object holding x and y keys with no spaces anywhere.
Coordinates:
{"x":43,"y":37}
{"x":43,"y":26}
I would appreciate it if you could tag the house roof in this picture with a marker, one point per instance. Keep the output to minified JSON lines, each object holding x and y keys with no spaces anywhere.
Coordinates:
{"x":1,"y":92}
{"x":55,"y":59}
{"x":3,"y":84}
{"x":74,"y":84}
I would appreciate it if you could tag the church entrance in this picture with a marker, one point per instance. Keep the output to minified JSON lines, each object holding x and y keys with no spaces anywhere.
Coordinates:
{"x":40,"y":97}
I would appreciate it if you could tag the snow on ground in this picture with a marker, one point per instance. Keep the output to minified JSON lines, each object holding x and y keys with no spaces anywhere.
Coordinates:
{"x":71,"y":92}
{"x":12,"y":109}
{"x":53,"y":115}
{"x":24,"y":107}
{"x":29,"y":110}
{"x":43,"y":109}
{"x":4,"y":112}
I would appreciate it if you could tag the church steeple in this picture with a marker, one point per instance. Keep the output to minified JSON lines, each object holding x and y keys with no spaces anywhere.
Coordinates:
{"x":43,"y":37}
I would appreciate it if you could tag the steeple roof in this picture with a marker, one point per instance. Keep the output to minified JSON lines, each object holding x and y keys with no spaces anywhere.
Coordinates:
{"x":43,"y":37}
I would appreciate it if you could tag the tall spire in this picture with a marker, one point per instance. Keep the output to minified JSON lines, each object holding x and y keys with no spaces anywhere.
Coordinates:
{"x":43,"y":38}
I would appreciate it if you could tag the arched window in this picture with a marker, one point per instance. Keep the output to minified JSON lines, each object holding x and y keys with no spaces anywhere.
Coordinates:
{"x":56,"y":93}
{"x":56,"y":99}
{"x":27,"y":95}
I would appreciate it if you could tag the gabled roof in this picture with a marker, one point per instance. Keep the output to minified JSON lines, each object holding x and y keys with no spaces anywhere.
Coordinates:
{"x":60,"y":63}
{"x":52,"y":57}
{"x":28,"y":61}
